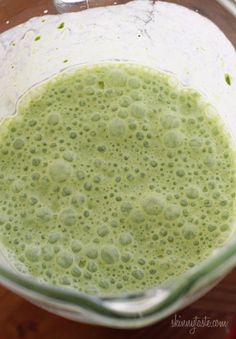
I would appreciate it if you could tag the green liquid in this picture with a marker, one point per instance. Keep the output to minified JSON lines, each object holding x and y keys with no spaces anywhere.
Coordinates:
{"x":113,"y":179}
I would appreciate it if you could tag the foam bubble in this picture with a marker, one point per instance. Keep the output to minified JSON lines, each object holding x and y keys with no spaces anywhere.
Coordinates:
{"x":32,"y":253}
{"x":169,"y":121}
{"x":104,"y":284}
{"x":64,"y":260}
{"x":91,"y":251}
{"x":65,"y":280}
{"x":103,"y":231}
{"x":123,"y":114}
{"x":90,"y":79}
{"x":211,"y":228}
{"x":92,"y":267}
{"x":173,"y":139}
{"x":76,"y":272}
{"x":126,"y":207}
{"x":126,"y":257}
{"x":137,"y":216}
{"x":54,"y":236}
{"x":172,"y":212}
{"x":134,"y":83}
{"x":18,"y":144}
{"x":66,"y":191}
{"x":136,"y":95}
{"x":76,"y":246}
{"x":3,"y":219}
{"x":192,"y":192}
{"x":78,"y":199}
{"x":153,"y":204}
{"x":125,"y":101}
{"x":44,"y":214}
{"x":189,"y":231}
{"x":17,"y":186}
{"x":96,"y":117}
{"x":88,"y":186}
{"x":117,"y":128}
{"x":59,"y":170}
{"x":68,"y":156}
{"x":47,"y":253}
{"x":210,"y":161}
{"x":180,"y":173}
{"x":53,"y":119}
{"x":126,"y":238}
{"x":109,"y":254}
{"x":196,"y":143}
{"x":138,"y":110}
{"x":224,"y":227}
{"x":117,"y":78}
{"x":36,"y":161}
{"x":80,"y":175}
{"x":97,"y":179}
{"x":68,"y":216}
{"x":138,"y":274}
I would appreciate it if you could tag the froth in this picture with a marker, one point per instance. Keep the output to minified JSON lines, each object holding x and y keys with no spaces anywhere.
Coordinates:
{"x":110,"y":177}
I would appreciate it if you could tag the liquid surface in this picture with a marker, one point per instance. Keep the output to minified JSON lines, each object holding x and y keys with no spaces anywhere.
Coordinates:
{"x":113,"y":179}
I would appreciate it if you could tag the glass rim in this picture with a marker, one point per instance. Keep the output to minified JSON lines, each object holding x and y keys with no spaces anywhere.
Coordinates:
{"x":212,"y":267}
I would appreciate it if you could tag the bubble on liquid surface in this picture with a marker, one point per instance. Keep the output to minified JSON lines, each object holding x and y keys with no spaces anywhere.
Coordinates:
{"x":68,"y":156}
{"x":196,"y":143}
{"x":91,"y":251}
{"x":17,"y":186}
{"x":76,"y":246}
{"x":125,"y":101}
{"x":54,"y":236}
{"x":18,"y":144}
{"x":210,"y":161}
{"x":138,"y":110}
{"x":138,"y":274}
{"x":153,"y":204}
{"x":172,"y":212}
{"x":117,"y":78}
{"x":59,"y":171}
{"x":53,"y":119}
{"x":117,"y":128}
{"x":169,"y":121}
{"x":47,"y":253}
{"x":103,"y":231}
{"x":134,"y":82}
{"x":32,"y":253}
{"x":64,"y":260}
{"x":109,"y":254}
{"x":76,"y":272}
{"x":173,"y":139}
{"x":126,"y":239}
{"x":192,"y":192}
{"x":92,"y":267}
{"x":126,"y":257}
{"x":68,"y":217}
{"x":189,"y":231}
{"x":78,"y":200}
{"x":44,"y":214}
{"x":126,"y":207}
{"x":3,"y":219}
{"x":137,"y":216}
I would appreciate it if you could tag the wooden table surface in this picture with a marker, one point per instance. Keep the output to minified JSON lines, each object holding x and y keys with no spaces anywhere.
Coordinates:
{"x":20,"y":319}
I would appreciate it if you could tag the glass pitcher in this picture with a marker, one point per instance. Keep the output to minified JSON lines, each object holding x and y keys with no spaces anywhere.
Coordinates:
{"x":158,"y":34}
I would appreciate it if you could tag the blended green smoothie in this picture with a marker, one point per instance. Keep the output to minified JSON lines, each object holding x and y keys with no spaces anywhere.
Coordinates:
{"x":113,"y":178}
